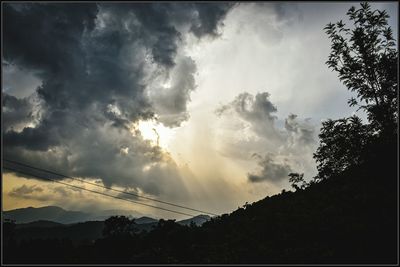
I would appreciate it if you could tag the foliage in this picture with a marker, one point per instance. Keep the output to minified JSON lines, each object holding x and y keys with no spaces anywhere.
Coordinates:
{"x":297,"y":181}
{"x":347,"y":219}
{"x":342,"y":143}
{"x":118,"y":225}
{"x":9,"y":230}
{"x":365,"y":57}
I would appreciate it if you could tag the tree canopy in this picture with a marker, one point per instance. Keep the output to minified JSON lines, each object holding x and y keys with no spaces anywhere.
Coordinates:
{"x":365,"y":57}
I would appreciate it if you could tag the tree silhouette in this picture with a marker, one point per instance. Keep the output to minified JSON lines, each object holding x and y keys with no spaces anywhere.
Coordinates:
{"x":118,"y":226}
{"x":365,"y":57}
{"x":8,"y":230}
{"x":342,"y":144}
{"x":297,"y":181}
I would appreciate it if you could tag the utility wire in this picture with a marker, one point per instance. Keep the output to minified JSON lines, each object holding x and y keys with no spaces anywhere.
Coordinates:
{"x":110,"y":188}
{"x":97,"y":192}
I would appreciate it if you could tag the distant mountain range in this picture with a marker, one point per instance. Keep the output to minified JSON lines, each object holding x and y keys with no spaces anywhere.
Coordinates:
{"x":55,"y":222}
{"x":51,"y":215}
{"x":145,"y":220}
{"x":60,"y":215}
{"x":197,"y":220}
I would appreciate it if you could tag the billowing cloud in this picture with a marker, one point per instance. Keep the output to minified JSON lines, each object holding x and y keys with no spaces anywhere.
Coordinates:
{"x":19,"y":112}
{"x":208,"y":17}
{"x":18,"y":82}
{"x":101,"y":67}
{"x":277,"y":150}
{"x":257,"y":110}
{"x":170,"y":101}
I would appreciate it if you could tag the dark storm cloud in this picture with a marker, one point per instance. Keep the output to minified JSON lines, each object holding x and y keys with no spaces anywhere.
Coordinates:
{"x":170,"y":102}
{"x":146,"y":23}
{"x":270,"y":170}
{"x":45,"y":37}
{"x":39,"y":138}
{"x":159,"y":23}
{"x":17,"y":112}
{"x":82,"y":62}
{"x":96,"y":62}
{"x":207,"y":18}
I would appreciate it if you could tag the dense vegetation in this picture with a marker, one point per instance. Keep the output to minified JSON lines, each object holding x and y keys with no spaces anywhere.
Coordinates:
{"x":346,"y":214}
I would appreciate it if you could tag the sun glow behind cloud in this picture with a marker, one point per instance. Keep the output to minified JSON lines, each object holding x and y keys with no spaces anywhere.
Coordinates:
{"x":155,"y":132}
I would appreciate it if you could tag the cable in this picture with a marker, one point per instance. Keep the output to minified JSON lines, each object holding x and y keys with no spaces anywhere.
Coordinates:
{"x":97,"y":192}
{"x":109,"y":188}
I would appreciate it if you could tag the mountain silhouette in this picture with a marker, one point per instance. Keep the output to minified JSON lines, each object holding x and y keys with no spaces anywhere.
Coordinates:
{"x":83,"y":231}
{"x":60,"y":215}
{"x":39,"y":224}
{"x":197,"y":220}
{"x":145,"y":220}
{"x":48,"y":213}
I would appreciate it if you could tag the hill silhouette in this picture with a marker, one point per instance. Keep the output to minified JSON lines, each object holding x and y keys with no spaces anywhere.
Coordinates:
{"x":38,"y":224}
{"x":84,"y":232}
{"x":47,"y":213}
{"x":197,"y":220}
{"x":348,"y":218}
{"x":62,"y":216}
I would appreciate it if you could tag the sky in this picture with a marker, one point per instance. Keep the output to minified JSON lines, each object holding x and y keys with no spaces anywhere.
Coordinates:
{"x":207,"y":105}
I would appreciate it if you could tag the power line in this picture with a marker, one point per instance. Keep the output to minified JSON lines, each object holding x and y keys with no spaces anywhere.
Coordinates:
{"x":97,"y":192}
{"x":110,"y":188}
